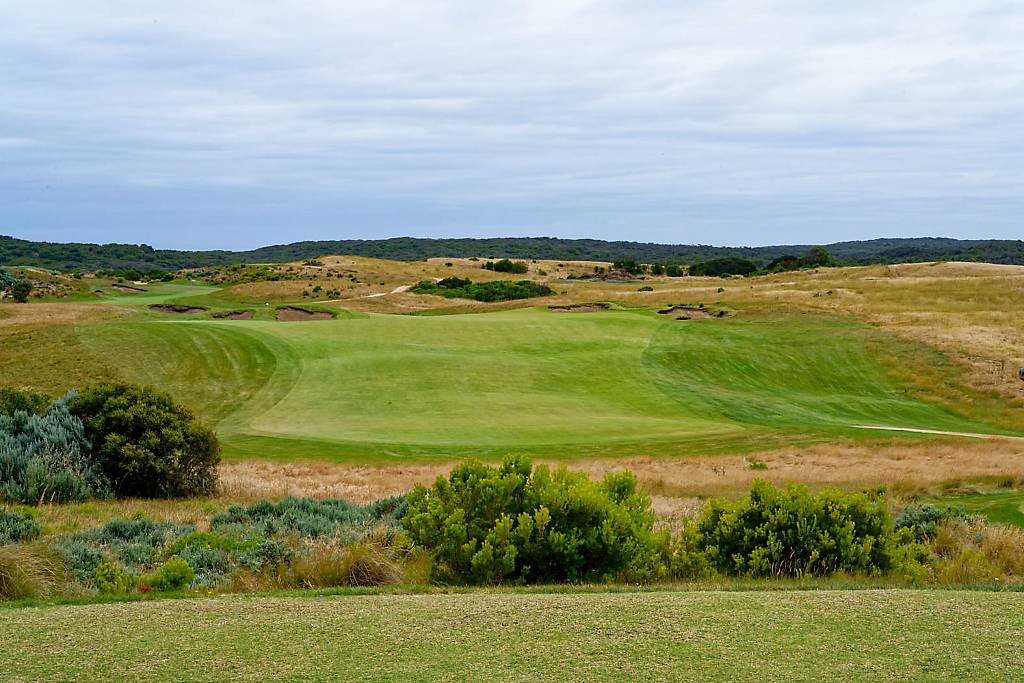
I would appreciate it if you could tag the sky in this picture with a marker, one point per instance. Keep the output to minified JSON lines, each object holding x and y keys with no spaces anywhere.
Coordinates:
{"x":215,"y":124}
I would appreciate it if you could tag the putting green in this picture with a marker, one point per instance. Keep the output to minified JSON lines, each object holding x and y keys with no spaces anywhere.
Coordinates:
{"x":528,"y":380}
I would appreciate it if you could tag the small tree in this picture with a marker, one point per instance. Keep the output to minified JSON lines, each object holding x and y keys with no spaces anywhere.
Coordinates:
{"x":20,"y":290}
{"x":146,"y":444}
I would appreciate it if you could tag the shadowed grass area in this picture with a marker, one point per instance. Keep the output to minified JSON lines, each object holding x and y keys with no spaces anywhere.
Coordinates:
{"x":498,"y":635}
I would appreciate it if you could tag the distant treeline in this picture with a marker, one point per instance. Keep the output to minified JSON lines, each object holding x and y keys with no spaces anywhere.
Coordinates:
{"x":141,"y":257}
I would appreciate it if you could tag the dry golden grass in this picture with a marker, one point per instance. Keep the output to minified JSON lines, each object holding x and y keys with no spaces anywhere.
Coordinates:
{"x":54,"y":313}
{"x":900,"y":466}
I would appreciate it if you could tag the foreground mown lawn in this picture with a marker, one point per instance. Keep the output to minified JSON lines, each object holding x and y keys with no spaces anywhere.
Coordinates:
{"x":822,"y":635}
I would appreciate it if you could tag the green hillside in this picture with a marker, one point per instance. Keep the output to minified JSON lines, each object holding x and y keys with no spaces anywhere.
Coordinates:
{"x":618,"y":382}
{"x":82,"y":256}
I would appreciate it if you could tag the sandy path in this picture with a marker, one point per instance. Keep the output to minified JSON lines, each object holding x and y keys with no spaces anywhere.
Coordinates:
{"x":972,"y":435}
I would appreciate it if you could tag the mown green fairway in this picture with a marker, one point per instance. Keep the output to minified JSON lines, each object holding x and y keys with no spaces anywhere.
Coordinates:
{"x":665,"y":636}
{"x":527,"y":380}
{"x":1002,"y":507}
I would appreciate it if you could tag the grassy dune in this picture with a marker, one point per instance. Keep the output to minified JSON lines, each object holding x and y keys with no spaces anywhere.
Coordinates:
{"x":623,"y":382}
{"x":514,"y":636}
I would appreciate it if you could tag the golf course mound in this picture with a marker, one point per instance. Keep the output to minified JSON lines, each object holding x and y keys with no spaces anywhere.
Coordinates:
{"x":623,"y":383}
{"x":296,"y":314}
{"x":176,"y":308}
{"x":126,"y":288}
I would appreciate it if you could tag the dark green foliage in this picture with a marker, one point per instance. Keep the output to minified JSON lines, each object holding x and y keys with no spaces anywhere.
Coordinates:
{"x":17,"y":526}
{"x":674,"y":270}
{"x":13,"y":400}
{"x":310,"y":518}
{"x":506,"y":266}
{"x":146,"y":444}
{"x":790,"y":532}
{"x":646,"y":288}
{"x":814,"y":258}
{"x":498,"y":290}
{"x":47,"y":458}
{"x":20,"y":291}
{"x":513,"y":523}
{"x":91,"y":257}
{"x":720,"y":267}
{"x":628,"y":265}
{"x":924,"y":519}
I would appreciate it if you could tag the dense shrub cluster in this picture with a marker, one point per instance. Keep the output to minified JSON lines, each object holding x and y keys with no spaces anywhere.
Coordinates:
{"x":146,"y":444}
{"x":16,"y":526}
{"x":111,"y":438}
{"x":498,"y":290}
{"x":506,"y":266}
{"x":12,"y":400}
{"x":311,"y":518}
{"x":721,"y":267}
{"x":46,"y":458}
{"x":790,"y":532}
{"x":518,"y":524}
{"x":297,"y":541}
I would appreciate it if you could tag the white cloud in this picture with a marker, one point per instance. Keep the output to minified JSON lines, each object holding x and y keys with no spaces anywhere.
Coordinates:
{"x":610,"y":104}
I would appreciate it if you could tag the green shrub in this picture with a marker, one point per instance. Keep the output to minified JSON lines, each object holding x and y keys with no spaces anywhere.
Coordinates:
{"x":311,"y":518}
{"x":721,"y":267}
{"x":146,"y":444}
{"x":486,"y":525}
{"x":174,"y":575}
{"x":110,"y":578}
{"x":16,"y":526}
{"x":506,"y":266}
{"x":133,"y":543}
{"x":47,"y":458}
{"x":13,"y":400}
{"x":498,"y":290}
{"x":924,"y":520}
{"x":776,"y":532}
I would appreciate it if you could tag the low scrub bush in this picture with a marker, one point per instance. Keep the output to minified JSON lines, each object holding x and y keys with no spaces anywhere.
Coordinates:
{"x":174,"y":575}
{"x":498,"y":290}
{"x":146,"y":444}
{"x":924,"y":520}
{"x":132,"y":544}
{"x":47,"y":458}
{"x":13,"y":401}
{"x":110,"y":578}
{"x":517,"y":524}
{"x":340,"y":519}
{"x":790,"y":532}
{"x":506,"y":266}
{"x":17,"y":526}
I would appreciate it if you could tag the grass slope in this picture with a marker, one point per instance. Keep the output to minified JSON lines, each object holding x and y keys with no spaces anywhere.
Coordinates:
{"x":777,"y":635}
{"x":529,"y":380}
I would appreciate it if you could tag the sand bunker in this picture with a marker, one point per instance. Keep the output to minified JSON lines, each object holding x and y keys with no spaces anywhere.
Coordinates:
{"x":293,"y":314}
{"x":175,"y":308}
{"x":581,"y":308}
{"x":234,"y":315}
{"x":126,"y":288}
{"x":693,"y":312}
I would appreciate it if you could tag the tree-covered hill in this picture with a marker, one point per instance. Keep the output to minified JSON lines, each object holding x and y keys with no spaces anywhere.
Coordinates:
{"x":88,"y":257}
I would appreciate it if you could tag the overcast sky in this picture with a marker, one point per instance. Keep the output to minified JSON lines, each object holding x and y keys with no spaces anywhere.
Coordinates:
{"x":236,"y":124}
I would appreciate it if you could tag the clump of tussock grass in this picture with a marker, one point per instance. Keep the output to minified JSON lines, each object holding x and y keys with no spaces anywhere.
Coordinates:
{"x":327,"y":565}
{"x":26,"y":572}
